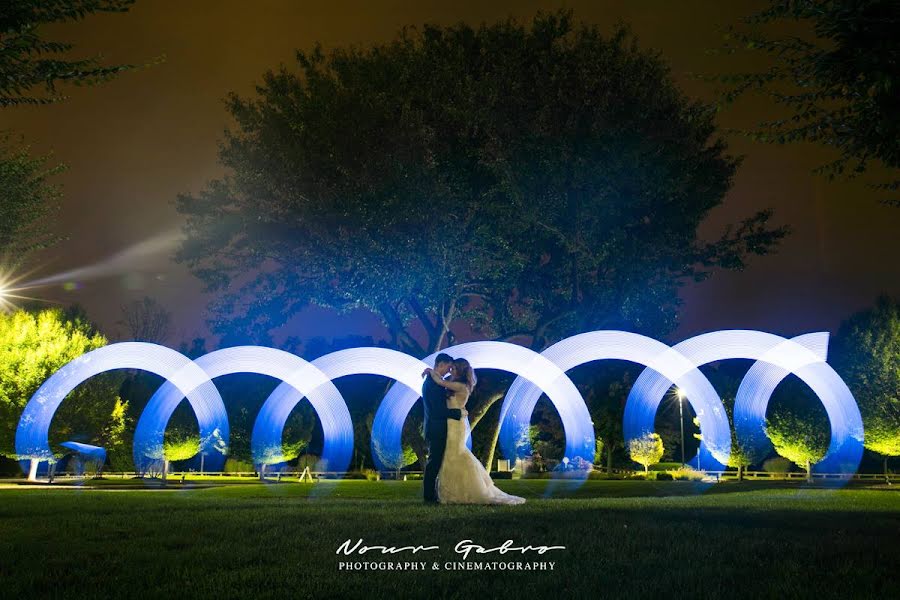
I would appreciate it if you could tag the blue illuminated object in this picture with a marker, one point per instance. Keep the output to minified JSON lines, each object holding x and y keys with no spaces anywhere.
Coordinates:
{"x":520,"y":400}
{"x":651,"y":386}
{"x":293,"y":370}
{"x":545,"y":376}
{"x":776,"y":357}
{"x":403,"y":368}
{"x":192,"y":382}
{"x":846,"y":447}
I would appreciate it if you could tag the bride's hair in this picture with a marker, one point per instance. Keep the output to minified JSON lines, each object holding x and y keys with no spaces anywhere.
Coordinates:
{"x":466,"y":373}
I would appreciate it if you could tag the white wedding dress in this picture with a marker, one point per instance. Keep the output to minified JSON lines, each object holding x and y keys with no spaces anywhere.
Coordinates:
{"x":462,"y":479}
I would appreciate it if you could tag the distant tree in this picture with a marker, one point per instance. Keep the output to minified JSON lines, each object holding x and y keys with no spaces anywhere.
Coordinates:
{"x":742,"y":455}
{"x":646,"y":450}
{"x":146,"y":320}
{"x":179,"y":445}
{"x":866,"y":352}
{"x":33,"y":346}
{"x":31,"y":66}
{"x":598,"y":450}
{"x":803,"y":440}
{"x":117,"y":437}
{"x":839,"y":82}
{"x":607,"y":412}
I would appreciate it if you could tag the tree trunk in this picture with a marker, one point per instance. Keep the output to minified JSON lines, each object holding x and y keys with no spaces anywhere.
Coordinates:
{"x":646,"y":469}
{"x":886,"y":478}
{"x":740,"y":473}
{"x":609,"y":459}
{"x":478,"y":412}
{"x":808,"y":472}
{"x":165,"y":468}
{"x":493,"y":446}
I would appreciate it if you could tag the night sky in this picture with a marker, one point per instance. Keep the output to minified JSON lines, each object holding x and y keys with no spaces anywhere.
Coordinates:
{"x":133,"y":144}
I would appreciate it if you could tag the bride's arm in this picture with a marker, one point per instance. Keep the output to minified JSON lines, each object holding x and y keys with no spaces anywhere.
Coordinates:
{"x":450,"y":385}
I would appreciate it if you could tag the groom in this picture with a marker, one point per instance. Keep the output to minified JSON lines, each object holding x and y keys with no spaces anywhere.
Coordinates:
{"x":434,"y":397}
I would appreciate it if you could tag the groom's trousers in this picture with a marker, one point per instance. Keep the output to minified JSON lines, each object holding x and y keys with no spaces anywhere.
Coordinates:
{"x":437,"y":443}
{"x":436,"y":438}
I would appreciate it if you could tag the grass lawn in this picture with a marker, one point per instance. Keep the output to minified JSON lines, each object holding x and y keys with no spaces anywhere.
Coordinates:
{"x":624,"y":539}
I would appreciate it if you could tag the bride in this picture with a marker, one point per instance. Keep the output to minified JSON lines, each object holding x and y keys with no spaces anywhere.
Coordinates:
{"x":462,"y":479}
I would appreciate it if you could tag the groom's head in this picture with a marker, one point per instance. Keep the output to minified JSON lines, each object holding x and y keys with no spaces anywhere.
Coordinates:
{"x":442,"y":364}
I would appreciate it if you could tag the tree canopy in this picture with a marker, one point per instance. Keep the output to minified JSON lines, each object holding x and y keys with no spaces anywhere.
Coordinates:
{"x":31,"y":66}
{"x":34,"y":345}
{"x":800,"y":436}
{"x":867,"y":355}
{"x":27,"y":198}
{"x":646,"y":450}
{"x":839,"y":81}
{"x":529,"y":180}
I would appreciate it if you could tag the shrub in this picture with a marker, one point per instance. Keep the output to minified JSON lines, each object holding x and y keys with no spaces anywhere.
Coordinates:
{"x":501,"y":474}
{"x":660,"y":476}
{"x":687,"y":474}
{"x":666,"y":466}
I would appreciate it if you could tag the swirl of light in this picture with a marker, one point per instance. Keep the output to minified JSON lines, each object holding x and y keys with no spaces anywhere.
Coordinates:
{"x":32,"y":439}
{"x":528,"y":365}
{"x":846,"y":447}
{"x":392,"y":364}
{"x":571,"y":352}
{"x":651,"y":386}
{"x":291,"y":369}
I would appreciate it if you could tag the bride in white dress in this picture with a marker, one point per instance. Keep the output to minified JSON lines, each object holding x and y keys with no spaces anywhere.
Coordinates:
{"x":462,"y":479}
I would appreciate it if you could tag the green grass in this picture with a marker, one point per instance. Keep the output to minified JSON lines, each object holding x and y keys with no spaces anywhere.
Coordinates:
{"x":624,"y":539}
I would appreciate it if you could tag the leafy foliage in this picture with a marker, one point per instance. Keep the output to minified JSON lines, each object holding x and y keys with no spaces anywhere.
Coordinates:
{"x":646,"y":450}
{"x":840,"y":84}
{"x":32,"y":67}
{"x":34,"y":345}
{"x":27,"y":199}
{"x":803,"y":440}
{"x":867,"y":355}
{"x":180,"y":445}
{"x":117,"y":437}
{"x":499,"y":176}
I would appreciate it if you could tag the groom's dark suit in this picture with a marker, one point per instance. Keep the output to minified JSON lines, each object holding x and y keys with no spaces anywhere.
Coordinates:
{"x":434,"y":397}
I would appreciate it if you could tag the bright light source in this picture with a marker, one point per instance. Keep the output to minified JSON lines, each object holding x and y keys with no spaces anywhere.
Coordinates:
{"x":679,"y":393}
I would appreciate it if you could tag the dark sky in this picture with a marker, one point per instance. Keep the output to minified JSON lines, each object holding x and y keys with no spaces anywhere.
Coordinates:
{"x":134,"y":143}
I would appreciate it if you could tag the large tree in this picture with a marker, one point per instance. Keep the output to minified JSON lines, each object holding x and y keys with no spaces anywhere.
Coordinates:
{"x":146,"y":320}
{"x":530,"y":181}
{"x":867,"y":355}
{"x":835,"y":67}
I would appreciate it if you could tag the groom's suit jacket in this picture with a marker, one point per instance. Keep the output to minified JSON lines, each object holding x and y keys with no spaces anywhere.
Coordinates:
{"x":434,"y":398}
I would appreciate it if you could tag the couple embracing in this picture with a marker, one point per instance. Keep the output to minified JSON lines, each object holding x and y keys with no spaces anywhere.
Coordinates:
{"x":453,"y":475}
